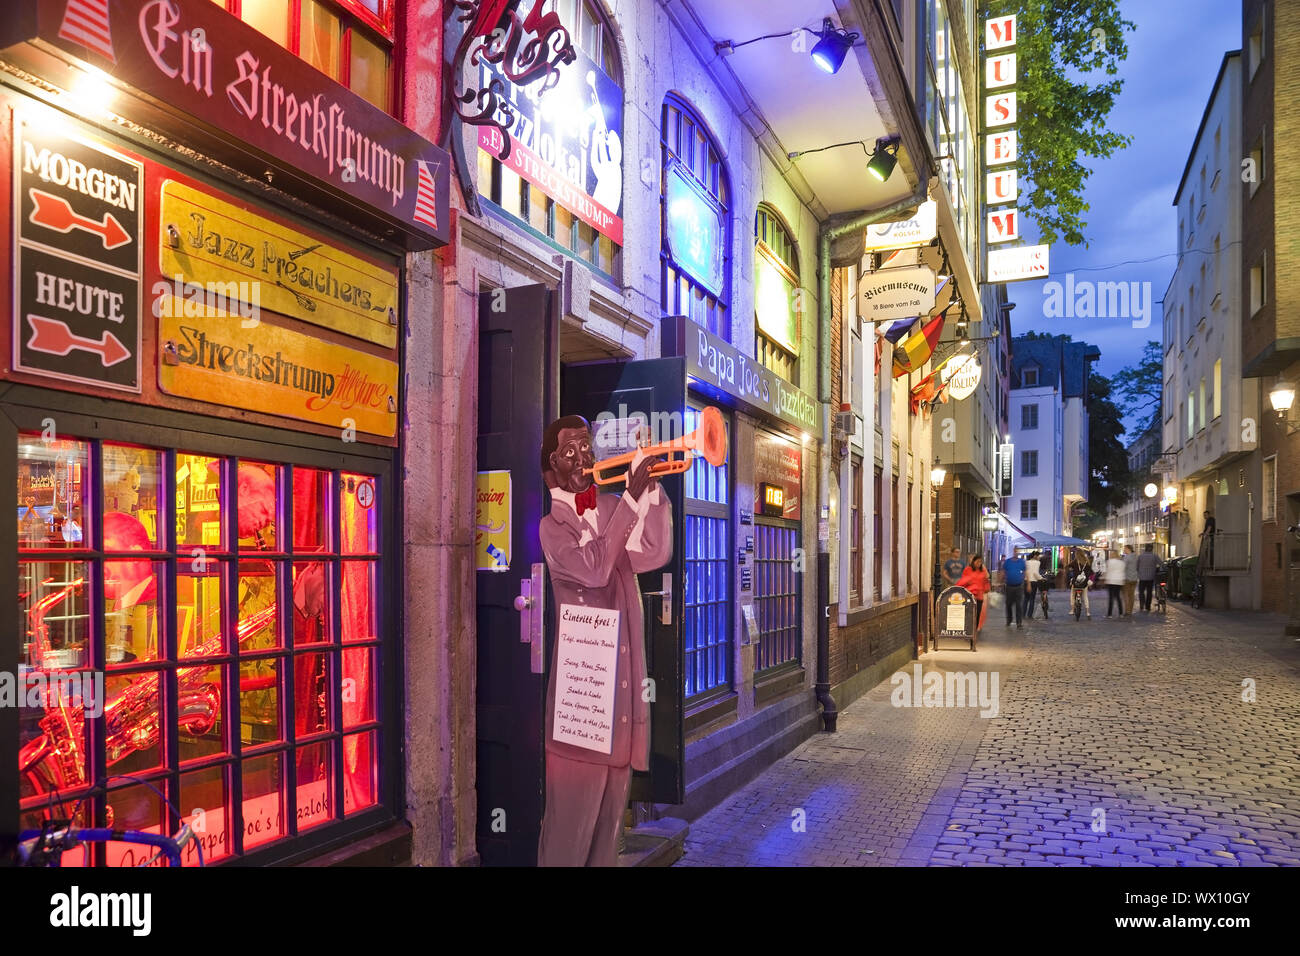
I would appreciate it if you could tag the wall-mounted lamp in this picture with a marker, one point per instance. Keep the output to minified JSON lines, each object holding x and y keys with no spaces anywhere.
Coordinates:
{"x":832,"y":46}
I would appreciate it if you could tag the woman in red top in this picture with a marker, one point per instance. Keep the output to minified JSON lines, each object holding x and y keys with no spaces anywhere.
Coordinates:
{"x":976,"y":580}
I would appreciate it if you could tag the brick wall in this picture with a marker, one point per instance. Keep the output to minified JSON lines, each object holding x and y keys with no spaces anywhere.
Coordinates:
{"x":867,"y":642}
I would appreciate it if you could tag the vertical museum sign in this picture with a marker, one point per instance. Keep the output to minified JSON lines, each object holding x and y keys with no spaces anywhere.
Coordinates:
{"x":77,"y":226}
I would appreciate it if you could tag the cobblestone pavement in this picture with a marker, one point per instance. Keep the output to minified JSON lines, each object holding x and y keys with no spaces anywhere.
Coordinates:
{"x":1117,"y":742}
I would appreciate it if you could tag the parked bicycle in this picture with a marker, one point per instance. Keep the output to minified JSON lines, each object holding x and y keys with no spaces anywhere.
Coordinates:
{"x":1042,"y":598}
{"x":1162,"y":594}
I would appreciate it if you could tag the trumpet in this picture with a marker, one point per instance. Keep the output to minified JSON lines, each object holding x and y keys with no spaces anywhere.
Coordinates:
{"x":709,"y":440}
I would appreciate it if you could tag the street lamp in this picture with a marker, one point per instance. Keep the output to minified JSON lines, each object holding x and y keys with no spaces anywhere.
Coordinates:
{"x":1152,"y":489}
{"x":1282,"y":397}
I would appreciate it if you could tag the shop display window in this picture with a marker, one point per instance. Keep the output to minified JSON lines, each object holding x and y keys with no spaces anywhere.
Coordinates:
{"x":229,"y":610}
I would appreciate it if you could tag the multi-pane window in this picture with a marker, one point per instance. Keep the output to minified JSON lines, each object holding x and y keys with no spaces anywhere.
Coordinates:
{"x":1029,"y":508}
{"x":776,"y":594}
{"x":350,"y":41}
{"x":1218,"y":387}
{"x":1028,"y":464}
{"x":1029,"y":416}
{"x":778,"y":318}
{"x":855,"y":536}
{"x":232,"y":606}
{"x":1029,"y":377}
{"x":694,"y":258}
{"x":877,"y":539}
{"x":568,"y":150}
{"x":707,"y":627}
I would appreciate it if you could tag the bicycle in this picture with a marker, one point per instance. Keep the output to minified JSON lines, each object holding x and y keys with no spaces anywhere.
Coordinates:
{"x":1198,"y":590}
{"x":45,"y":847}
{"x":1162,"y":595}
{"x":1042,"y":599}
{"x":1078,"y":595}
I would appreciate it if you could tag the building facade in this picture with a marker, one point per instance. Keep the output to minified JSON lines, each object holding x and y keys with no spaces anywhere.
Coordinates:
{"x":1206,"y":400}
{"x":1049,"y":430}
{"x":1270,"y":336}
{"x":217,"y":278}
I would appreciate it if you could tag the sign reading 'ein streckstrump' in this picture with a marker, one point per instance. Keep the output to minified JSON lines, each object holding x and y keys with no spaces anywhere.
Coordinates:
{"x":213,"y":82}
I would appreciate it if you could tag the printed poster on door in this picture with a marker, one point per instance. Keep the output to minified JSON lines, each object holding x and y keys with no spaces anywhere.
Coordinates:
{"x":492,"y":520}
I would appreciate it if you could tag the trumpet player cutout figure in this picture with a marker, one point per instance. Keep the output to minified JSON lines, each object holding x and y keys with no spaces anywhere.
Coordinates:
{"x":595,"y":544}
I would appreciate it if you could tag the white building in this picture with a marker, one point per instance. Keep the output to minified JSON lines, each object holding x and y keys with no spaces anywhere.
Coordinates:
{"x":1049,"y":430}
{"x":1206,"y":408}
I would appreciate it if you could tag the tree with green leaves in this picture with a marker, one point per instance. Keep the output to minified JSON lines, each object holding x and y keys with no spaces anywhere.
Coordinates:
{"x":1061,"y":114}
{"x":1140,"y":387}
{"x":1110,"y":482}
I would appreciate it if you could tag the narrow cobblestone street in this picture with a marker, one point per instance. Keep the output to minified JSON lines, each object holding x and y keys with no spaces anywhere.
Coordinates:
{"x":1117,"y":742}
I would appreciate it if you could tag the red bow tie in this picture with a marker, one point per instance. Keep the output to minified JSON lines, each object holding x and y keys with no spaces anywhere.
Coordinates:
{"x":585,"y":500}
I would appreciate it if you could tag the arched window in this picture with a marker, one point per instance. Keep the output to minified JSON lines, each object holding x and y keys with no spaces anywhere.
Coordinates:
{"x":695,"y":255}
{"x":777,"y":314}
{"x":572,"y":136}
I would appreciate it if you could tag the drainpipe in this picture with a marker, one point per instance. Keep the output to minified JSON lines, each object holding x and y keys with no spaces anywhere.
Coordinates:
{"x":826,"y":235}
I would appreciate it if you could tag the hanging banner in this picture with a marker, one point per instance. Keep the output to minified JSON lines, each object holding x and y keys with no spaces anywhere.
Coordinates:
{"x":695,"y":227}
{"x":1014,"y":263}
{"x":920,"y":230}
{"x":896,"y":293}
{"x":568,"y":141}
{"x":1006,"y":459}
{"x":209,"y":357}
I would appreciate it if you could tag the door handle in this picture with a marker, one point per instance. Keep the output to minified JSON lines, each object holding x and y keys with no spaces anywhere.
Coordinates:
{"x":665,"y":600}
{"x":531,"y":605}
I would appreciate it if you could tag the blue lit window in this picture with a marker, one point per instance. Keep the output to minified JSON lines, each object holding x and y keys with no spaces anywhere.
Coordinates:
{"x":708,"y":625}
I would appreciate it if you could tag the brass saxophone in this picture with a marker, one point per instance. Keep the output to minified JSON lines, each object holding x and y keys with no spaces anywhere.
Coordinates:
{"x":55,"y":761}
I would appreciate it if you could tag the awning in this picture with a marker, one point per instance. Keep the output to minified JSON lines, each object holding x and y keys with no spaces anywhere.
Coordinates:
{"x":1045,"y":539}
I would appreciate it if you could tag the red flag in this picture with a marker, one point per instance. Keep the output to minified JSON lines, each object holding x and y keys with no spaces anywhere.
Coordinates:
{"x":916,"y":350}
{"x":85,"y":22}
{"x":426,"y":205}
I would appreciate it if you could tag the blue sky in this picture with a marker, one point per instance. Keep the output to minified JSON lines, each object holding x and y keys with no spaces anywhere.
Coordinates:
{"x":1174,"y":56}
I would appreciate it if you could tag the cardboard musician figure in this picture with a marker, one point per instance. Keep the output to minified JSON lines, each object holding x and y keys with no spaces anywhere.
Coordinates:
{"x":595,"y":544}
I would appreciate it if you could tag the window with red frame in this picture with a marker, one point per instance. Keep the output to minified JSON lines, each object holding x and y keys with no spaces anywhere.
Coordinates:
{"x":348,"y":40}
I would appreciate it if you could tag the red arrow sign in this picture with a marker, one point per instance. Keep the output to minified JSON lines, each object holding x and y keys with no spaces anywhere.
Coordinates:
{"x":55,"y":212}
{"x":55,"y":338}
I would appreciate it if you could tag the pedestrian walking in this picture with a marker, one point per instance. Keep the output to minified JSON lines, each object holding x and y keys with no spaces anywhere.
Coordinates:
{"x":1114,"y":583}
{"x":976,"y":580}
{"x":1013,"y":571}
{"x":953,"y":567}
{"x":1148,"y":566}
{"x":1033,"y":580}
{"x":1130,"y":578}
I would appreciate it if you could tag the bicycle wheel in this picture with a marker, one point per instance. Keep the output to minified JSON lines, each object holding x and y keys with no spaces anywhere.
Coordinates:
{"x":1078,"y":606}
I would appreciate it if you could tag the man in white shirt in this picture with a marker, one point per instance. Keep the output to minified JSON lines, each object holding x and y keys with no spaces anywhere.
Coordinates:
{"x":1033,"y":580}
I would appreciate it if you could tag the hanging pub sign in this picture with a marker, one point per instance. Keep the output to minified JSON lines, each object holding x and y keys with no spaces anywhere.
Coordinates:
{"x":920,"y":230}
{"x":896,"y":293}
{"x":213,"y":357}
{"x":567,"y":141}
{"x":210,"y":243}
{"x":77,"y":222}
{"x":211,"y":81}
{"x":695,"y":228}
{"x":729,"y":374}
{"x":962,"y":376}
{"x":1012,"y":263}
{"x":1006,"y":458}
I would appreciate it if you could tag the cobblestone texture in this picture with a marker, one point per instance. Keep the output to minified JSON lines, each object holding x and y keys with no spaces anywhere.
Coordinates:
{"x":1142,"y":719}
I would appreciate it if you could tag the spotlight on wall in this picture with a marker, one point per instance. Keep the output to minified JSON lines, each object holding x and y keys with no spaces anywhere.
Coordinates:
{"x":830,"y":50}
{"x":885,"y":157}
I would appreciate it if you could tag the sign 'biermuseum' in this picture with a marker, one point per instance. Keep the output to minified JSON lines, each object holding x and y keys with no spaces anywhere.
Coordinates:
{"x":211,"y":80}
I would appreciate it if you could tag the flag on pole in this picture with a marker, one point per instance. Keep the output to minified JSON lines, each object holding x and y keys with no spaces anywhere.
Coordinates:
{"x":85,"y":22}
{"x":917,"y":348}
{"x":426,"y":203}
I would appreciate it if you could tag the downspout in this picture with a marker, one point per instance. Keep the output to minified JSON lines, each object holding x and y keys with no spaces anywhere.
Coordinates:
{"x":827,"y":234}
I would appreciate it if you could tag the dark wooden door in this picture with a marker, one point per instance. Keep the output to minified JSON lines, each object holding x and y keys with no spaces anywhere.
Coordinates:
{"x":518,"y":397}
